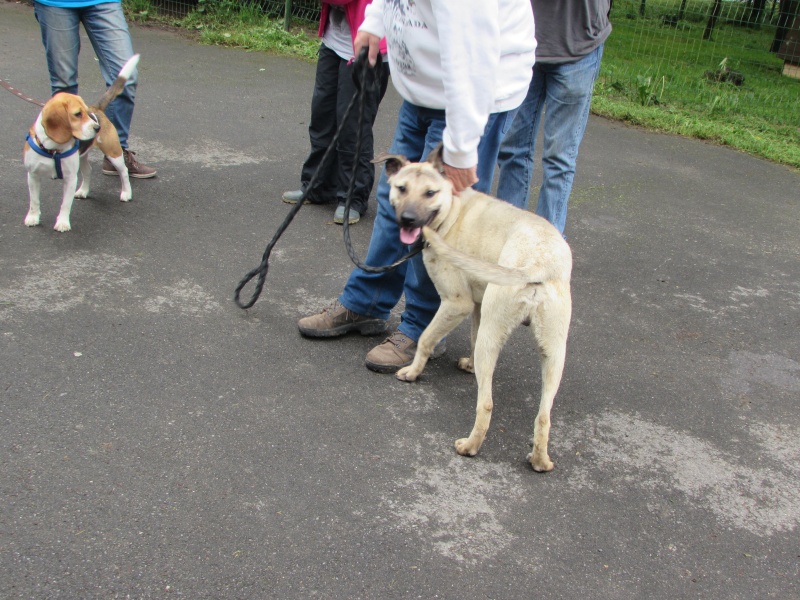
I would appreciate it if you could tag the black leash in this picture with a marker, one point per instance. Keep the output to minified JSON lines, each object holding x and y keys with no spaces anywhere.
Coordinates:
{"x":365,"y":77}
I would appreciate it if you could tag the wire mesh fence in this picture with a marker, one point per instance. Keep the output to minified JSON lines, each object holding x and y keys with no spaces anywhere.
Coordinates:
{"x":745,"y":34}
{"x":687,"y":22}
{"x":689,"y":29}
{"x":306,"y":11}
{"x":661,"y":49}
{"x":726,"y":58}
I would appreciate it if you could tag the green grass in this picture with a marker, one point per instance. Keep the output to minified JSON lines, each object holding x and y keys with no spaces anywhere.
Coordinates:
{"x":652,"y":75}
{"x":656,"y":77}
{"x":244,"y":25}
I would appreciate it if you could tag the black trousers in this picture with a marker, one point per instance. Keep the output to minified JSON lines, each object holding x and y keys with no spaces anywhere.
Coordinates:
{"x":333,"y":90}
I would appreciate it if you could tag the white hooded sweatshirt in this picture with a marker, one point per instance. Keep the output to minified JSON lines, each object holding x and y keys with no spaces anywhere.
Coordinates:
{"x":470,"y":58}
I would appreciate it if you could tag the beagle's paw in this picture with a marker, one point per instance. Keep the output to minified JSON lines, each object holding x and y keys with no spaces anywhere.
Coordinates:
{"x":62,"y":225}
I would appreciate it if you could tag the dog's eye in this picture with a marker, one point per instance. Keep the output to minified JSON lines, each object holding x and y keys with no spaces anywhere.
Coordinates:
{"x":431,"y":193}
{"x":401,"y":189}
{"x":78,"y":114}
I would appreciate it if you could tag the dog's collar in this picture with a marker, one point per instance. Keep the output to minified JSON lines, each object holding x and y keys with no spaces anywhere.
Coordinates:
{"x":37,"y":146}
{"x":421,"y":243}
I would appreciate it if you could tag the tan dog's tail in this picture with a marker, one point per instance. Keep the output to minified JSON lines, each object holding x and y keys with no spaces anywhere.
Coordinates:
{"x":115,"y":89}
{"x":483,"y":270}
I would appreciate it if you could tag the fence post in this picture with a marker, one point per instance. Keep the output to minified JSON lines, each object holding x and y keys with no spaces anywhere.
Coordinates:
{"x":287,"y":17}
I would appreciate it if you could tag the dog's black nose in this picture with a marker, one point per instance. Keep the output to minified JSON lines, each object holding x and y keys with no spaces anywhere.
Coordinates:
{"x":408,"y":218}
{"x":94,"y":118}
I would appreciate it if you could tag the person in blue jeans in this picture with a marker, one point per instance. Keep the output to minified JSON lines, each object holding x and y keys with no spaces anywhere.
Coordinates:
{"x":105,"y":25}
{"x":570,"y":36}
{"x":462,"y":69}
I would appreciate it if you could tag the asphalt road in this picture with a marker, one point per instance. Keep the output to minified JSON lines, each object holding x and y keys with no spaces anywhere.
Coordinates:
{"x":156,"y":441}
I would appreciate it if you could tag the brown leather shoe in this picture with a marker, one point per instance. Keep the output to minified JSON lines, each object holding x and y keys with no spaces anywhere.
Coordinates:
{"x":135,"y":169}
{"x":336,"y":320}
{"x":396,"y":352}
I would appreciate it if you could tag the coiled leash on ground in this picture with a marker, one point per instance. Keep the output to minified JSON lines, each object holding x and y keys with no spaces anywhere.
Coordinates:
{"x":365,"y":78}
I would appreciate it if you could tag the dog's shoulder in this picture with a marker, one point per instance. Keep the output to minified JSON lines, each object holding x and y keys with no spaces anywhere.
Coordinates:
{"x":488,"y":227}
{"x":482,"y":212}
{"x":491,"y":211}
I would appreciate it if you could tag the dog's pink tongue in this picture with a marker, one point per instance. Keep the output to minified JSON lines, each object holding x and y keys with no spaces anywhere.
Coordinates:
{"x":409,"y":236}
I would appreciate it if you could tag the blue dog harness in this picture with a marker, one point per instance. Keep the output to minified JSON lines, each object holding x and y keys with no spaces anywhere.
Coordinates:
{"x":39,"y":148}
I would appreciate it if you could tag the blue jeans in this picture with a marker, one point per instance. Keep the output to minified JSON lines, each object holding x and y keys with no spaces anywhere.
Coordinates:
{"x":108,"y":32}
{"x":419,"y":130}
{"x":566,"y":92}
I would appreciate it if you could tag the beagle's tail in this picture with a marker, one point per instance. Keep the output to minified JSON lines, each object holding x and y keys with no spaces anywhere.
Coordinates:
{"x":478,"y":268}
{"x":115,"y":89}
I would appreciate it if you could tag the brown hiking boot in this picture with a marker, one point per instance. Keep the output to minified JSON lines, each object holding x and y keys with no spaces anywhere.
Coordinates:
{"x":135,"y":169}
{"x":336,"y":320}
{"x":397,"y":352}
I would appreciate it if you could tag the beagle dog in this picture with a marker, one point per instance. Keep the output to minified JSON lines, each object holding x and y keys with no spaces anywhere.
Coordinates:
{"x":58,"y":143}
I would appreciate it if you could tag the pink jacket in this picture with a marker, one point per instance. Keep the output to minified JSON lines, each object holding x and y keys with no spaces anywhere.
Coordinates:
{"x":354,"y":12}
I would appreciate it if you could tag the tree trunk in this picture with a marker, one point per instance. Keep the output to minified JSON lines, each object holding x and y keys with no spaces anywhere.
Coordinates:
{"x":712,"y":19}
{"x":788,"y":8}
{"x":756,"y":14}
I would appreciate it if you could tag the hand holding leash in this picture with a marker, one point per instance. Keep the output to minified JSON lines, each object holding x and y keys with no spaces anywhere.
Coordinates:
{"x":367,"y":40}
{"x":365,"y":71}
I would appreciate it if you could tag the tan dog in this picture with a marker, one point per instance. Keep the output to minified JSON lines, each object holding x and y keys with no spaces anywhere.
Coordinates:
{"x":502,"y":265}
{"x":58,"y":147}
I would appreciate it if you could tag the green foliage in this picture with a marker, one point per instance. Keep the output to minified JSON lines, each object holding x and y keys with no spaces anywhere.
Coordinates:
{"x":138,"y":10}
{"x":265,"y":37}
{"x":696,"y":11}
{"x":230,"y":11}
{"x":245,"y":25}
{"x":647,"y":88}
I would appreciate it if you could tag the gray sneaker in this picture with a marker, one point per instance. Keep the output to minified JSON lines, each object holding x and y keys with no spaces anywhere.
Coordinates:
{"x":336,"y":320}
{"x":293,"y":197}
{"x":396,"y":352}
{"x":338,"y":216}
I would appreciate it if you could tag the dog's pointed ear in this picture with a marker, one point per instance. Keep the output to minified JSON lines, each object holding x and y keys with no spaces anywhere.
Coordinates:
{"x":436,"y":158}
{"x":56,"y":121}
{"x":392,"y":163}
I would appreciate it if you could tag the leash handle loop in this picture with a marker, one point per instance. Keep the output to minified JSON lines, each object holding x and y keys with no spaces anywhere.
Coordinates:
{"x":261,"y":270}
